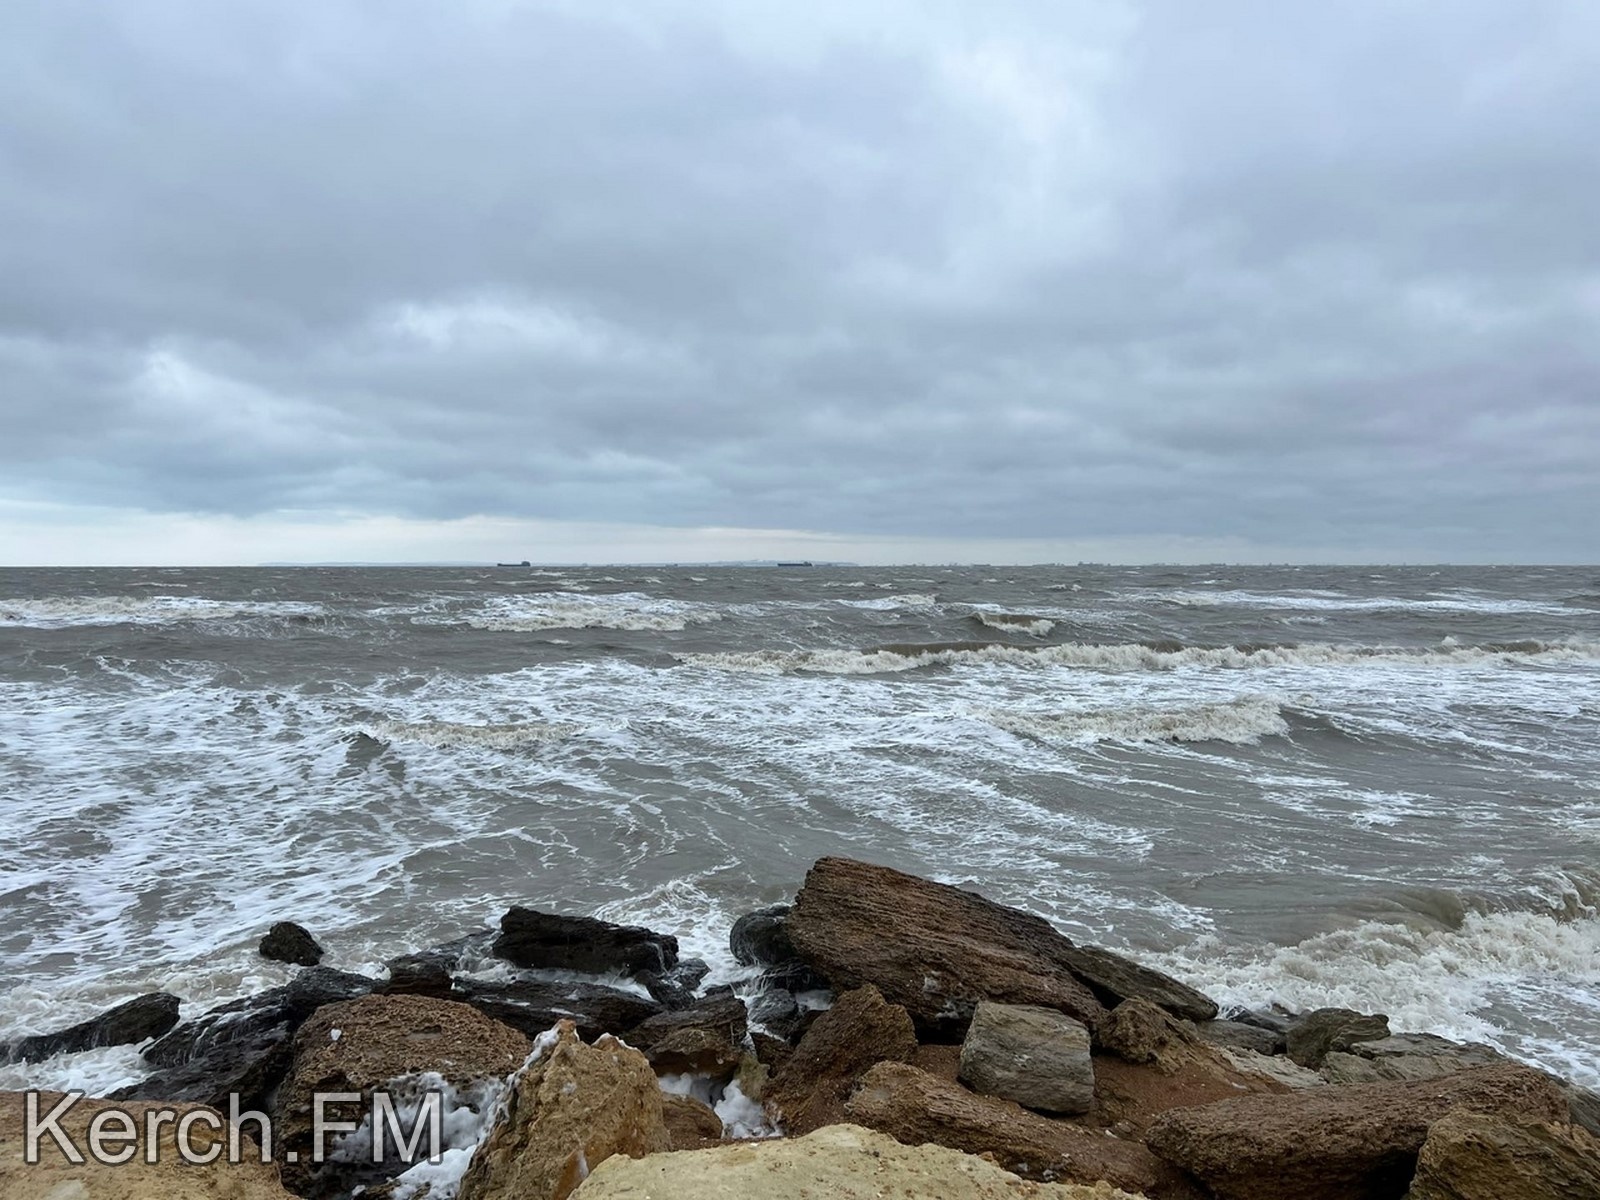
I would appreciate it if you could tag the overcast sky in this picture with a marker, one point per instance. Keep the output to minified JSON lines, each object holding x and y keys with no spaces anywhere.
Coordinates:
{"x":858,"y":279}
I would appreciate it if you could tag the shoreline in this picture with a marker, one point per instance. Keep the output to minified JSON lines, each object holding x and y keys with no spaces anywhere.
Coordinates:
{"x":919,"y":968}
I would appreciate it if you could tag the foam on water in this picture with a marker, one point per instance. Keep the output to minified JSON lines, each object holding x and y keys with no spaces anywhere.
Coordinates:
{"x":1134,"y":657}
{"x":1337,"y":602}
{"x":575,"y":610}
{"x":63,"y":612}
{"x":500,"y":736}
{"x":1469,"y":984}
{"x":1244,"y":721}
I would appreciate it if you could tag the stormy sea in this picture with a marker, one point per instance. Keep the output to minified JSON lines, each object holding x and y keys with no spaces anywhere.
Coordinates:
{"x":1369,"y":787}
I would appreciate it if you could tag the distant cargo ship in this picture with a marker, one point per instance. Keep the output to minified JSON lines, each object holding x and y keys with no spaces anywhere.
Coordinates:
{"x":795,"y":564}
{"x":523,"y":563}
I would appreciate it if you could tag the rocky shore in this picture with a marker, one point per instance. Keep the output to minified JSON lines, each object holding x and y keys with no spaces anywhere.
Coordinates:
{"x":896,"y":1037}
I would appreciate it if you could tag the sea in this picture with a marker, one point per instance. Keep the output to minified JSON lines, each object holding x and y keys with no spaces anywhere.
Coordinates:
{"x":1376,"y":787}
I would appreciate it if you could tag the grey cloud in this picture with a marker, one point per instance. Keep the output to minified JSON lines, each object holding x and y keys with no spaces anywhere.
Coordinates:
{"x":1248,"y":270}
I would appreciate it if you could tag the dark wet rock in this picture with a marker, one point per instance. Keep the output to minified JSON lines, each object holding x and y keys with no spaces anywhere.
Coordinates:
{"x":431,"y":972}
{"x":860,"y":1030}
{"x":759,"y":938}
{"x":136,"y":1020}
{"x":706,"y":1039}
{"x":792,"y":976}
{"x":675,"y":988}
{"x":1273,"y":1021}
{"x":533,"y":1006}
{"x":240,"y":1046}
{"x":1358,"y":1142}
{"x":1311,"y":1037}
{"x":1236,"y":1035}
{"x":291,"y":943}
{"x":529,"y":938}
{"x":1115,"y":979}
{"x":935,"y":950}
{"x":1036,"y":1056}
{"x":776,"y":1012}
{"x":249,"y":1066}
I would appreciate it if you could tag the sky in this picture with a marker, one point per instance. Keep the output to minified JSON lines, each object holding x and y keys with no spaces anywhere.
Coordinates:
{"x":878,"y":280}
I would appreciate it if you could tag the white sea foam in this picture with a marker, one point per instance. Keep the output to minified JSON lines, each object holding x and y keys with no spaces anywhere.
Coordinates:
{"x":1038,"y":626}
{"x":1244,"y":721}
{"x":1316,"y":600}
{"x":1460,"y":983}
{"x":65,"y":612}
{"x":571,"y":610}
{"x":889,"y":603}
{"x":501,"y":736}
{"x":1134,"y":657}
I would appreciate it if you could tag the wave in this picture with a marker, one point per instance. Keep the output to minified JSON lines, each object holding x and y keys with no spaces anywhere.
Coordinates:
{"x":1458,"y":982}
{"x":1018,"y":622}
{"x":65,"y":612}
{"x":1240,"y":722}
{"x":1336,"y":602}
{"x":886,"y":603}
{"x":443,"y":735}
{"x":1135,"y":656}
{"x":633,"y":611}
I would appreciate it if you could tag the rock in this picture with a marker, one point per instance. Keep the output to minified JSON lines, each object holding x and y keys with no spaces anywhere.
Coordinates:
{"x":535,"y":939}
{"x":915,"y":1107}
{"x":1469,"y":1156}
{"x":570,"y":1109}
{"x":430,"y":972}
{"x":54,"y":1177}
{"x":249,"y":1066}
{"x":377,"y":1043}
{"x":1311,"y":1037}
{"x":1156,"y":1062}
{"x":841,"y":1162}
{"x":1137,"y":1031}
{"x":933,"y":949}
{"x":776,"y":1012}
{"x":1357,"y":1142}
{"x":1272,"y":1021}
{"x":1236,"y":1035}
{"x":675,"y":988}
{"x":143,"y":1017}
{"x":1115,"y":979}
{"x":291,"y":943}
{"x":759,"y":938}
{"x":1275,"y":1067}
{"x":533,"y":1006}
{"x":707,"y":1039}
{"x":242,"y":1047}
{"x":858,"y":1031}
{"x":1583,"y":1106}
{"x":772,"y":1053}
{"x":691,"y":1124}
{"x":1038,"y":1057}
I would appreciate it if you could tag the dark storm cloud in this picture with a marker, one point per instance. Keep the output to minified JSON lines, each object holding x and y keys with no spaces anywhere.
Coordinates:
{"x":1325,"y":277}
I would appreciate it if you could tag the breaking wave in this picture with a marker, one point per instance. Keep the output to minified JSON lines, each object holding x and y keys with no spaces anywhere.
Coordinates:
{"x":1456,"y":982}
{"x":65,"y":612}
{"x":1016,"y":622}
{"x":1134,"y":656}
{"x":1240,"y":722}
{"x":570,"y":610}
{"x":1337,"y":602}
